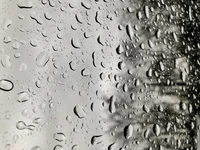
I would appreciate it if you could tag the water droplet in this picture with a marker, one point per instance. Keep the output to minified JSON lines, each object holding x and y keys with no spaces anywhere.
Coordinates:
{"x":119,"y":49}
{"x":121,"y":65}
{"x":96,"y":139}
{"x":158,"y":33}
{"x":111,"y":146}
{"x":21,"y":125}
{"x":16,"y":45}
{"x":146,"y":11}
{"x":59,"y":137}
{"x":72,"y":65}
{"x":6,"y":85}
{"x":85,"y":72}
{"x":5,"y":61}
{"x":75,"y":43}
{"x":5,"y":23}
{"x":128,"y":131}
{"x":58,"y":147}
{"x":112,"y":108}
{"x":146,"y":108}
{"x":156,"y":129}
{"x":25,"y":4}
{"x":22,"y":97}
{"x":7,"y":39}
{"x":42,"y":59}
{"x":23,"y":67}
{"x":86,"y":4}
{"x":129,"y":31}
{"x":80,"y":113}
{"x":36,"y":148}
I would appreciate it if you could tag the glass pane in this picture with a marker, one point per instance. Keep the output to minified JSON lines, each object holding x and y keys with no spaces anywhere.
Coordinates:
{"x":99,"y":75}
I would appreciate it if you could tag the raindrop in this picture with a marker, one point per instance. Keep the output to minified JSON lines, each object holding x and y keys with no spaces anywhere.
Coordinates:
{"x":85,"y":72}
{"x":23,"y":67}
{"x":72,"y":65}
{"x":156,"y":129}
{"x":21,"y":125}
{"x":22,"y":97}
{"x":6,"y":22}
{"x":119,"y":49}
{"x":36,"y":148}
{"x":7,"y":39}
{"x":96,"y":139}
{"x":86,"y":4}
{"x":75,"y":43}
{"x":58,"y":147}
{"x":5,"y":61}
{"x":6,"y":85}
{"x":146,"y":108}
{"x":42,"y":59}
{"x":121,"y":65}
{"x":128,"y":131}
{"x":16,"y":45}
{"x":59,"y":137}
{"x":146,"y":11}
{"x":129,"y":31}
{"x":25,"y":4}
{"x":79,"y":112}
{"x":112,"y":108}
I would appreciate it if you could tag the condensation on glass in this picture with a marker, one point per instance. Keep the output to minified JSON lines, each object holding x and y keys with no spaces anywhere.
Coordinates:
{"x":99,"y":74}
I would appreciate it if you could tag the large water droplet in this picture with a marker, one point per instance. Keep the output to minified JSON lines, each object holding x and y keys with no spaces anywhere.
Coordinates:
{"x":128,"y":131}
{"x":6,"y":85}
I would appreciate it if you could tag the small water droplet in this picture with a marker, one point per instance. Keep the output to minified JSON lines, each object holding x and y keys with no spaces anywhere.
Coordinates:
{"x":58,"y":147}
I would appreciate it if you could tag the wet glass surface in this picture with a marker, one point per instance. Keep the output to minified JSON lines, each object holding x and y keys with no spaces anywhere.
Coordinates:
{"x":99,"y":75}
